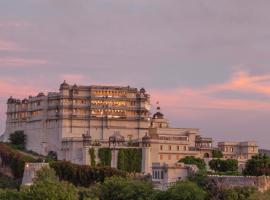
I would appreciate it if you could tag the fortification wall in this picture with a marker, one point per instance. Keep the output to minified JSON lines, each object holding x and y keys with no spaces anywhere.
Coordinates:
{"x":261,"y":182}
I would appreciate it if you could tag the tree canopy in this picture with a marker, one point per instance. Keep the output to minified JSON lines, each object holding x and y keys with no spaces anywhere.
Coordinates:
{"x":229,"y":165}
{"x":258,"y":165}
{"x":191,"y":160}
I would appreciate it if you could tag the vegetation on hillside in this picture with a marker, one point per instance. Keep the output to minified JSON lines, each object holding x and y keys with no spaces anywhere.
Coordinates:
{"x":191,"y":160}
{"x":18,"y":140}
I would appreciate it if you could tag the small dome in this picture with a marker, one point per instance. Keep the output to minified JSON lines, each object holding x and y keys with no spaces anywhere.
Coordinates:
{"x":64,"y":85}
{"x":116,"y":137}
{"x":10,"y":100}
{"x":25,"y":100}
{"x":142,"y":90}
{"x":158,"y":115}
{"x":146,"y":137}
{"x":41,"y":94}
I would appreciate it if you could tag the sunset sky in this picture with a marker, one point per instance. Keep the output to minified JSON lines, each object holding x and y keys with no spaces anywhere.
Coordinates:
{"x":207,"y":62}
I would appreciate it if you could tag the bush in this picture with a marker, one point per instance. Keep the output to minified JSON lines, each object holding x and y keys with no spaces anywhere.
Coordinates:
{"x":183,"y":190}
{"x":92,"y":157}
{"x":238,"y":193}
{"x":105,"y":156}
{"x":217,"y":154}
{"x":191,"y":160}
{"x":130,"y":160}
{"x":7,"y":182}
{"x":83,"y":175}
{"x":229,"y":165}
{"x":117,"y":188}
{"x":258,"y":165}
{"x":18,"y":139}
{"x":47,"y":186}
{"x":14,"y":159}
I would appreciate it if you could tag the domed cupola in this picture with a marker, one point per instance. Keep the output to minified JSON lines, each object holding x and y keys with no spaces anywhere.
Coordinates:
{"x":158,"y":114}
{"x":64,"y":85}
{"x":10,"y":100}
{"x":158,"y":120}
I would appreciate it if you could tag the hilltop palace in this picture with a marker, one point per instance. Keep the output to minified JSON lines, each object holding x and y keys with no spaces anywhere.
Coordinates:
{"x":76,"y":118}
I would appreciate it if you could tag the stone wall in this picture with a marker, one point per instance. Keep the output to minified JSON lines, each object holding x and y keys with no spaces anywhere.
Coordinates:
{"x":261,"y":182}
{"x":30,"y":171}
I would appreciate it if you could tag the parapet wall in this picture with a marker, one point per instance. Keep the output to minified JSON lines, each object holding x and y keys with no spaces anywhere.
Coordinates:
{"x":261,"y":182}
{"x":30,"y":171}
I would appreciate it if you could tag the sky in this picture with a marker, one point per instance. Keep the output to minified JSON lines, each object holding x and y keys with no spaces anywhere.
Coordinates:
{"x":205,"y":61}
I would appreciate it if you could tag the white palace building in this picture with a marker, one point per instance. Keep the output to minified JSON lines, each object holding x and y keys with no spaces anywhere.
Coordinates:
{"x":76,"y":118}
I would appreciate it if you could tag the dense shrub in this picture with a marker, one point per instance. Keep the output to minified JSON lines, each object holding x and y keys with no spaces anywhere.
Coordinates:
{"x":257,"y":166}
{"x":130,"y":160}
{"x":92,"y":157}
{"x":217,"y":154}
{"x":83,"y":175}
{"x":7,"y":182}
{"x":229,"y":165}
{"x":117,"y":188}
{"x":183,"y":190}
{"x":238,"y":193}
{"x":18,"y":139}
{"x":105,"y":156}
{"x":14,"y":159}
{"x":191,"y":160}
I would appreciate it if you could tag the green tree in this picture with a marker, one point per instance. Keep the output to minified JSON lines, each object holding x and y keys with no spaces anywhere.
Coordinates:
{"x":47,"y":187}
{"x":229,"y":165}
{"x":191,"y":160}
{"x":260,"y":195}
{"x":18,"y":139}
{"x":117,"y":188}
{"x":258,"y":165}
{"x":238,"y":193}
{"x":217,"y":153}
{"x":11,"y":194}
{"x":184,"y":190}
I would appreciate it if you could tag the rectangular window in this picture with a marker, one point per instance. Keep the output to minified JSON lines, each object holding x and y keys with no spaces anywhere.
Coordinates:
{"x":161,"y":147}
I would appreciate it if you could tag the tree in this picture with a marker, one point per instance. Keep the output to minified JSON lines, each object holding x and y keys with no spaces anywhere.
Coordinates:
{"x":117,"y":188}
{"x":191,"y":160}
{"x":18,"y":139}
{"x":258,"y":165}
{"x":229,"y":165}
{"x":47,"y":186}
{"x":184,"y":190}
{"x":217,"y":154}
{"x":238,"y":193}
{"x":11,"y":194}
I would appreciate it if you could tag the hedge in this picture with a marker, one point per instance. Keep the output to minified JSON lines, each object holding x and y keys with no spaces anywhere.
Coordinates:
{"x":130,"y":160}
{"x":83,"y":175}
{"x":105,"y":156}
{"x":14,"y":159}
{"x":92,"y":157}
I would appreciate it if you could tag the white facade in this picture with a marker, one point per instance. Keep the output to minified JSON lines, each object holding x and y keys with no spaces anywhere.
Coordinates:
{"x":52,"y":121}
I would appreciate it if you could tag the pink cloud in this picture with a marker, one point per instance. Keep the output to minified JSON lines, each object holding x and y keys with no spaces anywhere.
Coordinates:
{"x":8,"y":46}
{"x":12,"y":88}
{"x":14,"y":23}
{"x":189,"y":99}
{"x":18,"y":62}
